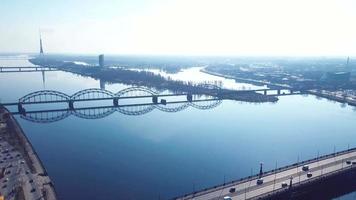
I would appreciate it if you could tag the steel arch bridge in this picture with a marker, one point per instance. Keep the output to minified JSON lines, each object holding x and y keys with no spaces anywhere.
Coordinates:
{"x":198,"y":101}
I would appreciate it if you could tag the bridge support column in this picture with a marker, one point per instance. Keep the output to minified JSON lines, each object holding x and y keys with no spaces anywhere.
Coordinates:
{"x":71,"y":104}
{"x":21,"y":109}
{"x":279,"y":92}
{"x":189,"y":97}
{"x":116,"y":102}
{"x":154,"y":99}
{"x":265,"y":92}
{"x":292,"y":91}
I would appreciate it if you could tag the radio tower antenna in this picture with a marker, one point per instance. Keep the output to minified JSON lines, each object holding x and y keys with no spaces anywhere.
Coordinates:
{"x":41,"y":47}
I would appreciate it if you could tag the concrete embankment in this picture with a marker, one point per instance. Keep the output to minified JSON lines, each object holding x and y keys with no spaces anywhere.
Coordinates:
{"x":24,"y":176}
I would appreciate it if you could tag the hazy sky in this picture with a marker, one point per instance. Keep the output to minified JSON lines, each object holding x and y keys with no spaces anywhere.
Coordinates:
{"x":185,"y":27}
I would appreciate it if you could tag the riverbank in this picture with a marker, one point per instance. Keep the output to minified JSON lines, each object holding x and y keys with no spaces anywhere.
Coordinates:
{"x":23,"y":175}
{"x":338,"y":96}
{"x":244,"y":80}
{"x":335,"y":96}
{"x":151,"y":80}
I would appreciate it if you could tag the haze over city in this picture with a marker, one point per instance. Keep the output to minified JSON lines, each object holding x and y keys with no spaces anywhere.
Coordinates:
{"x":177,"y":99}
{"x":186,"y":27}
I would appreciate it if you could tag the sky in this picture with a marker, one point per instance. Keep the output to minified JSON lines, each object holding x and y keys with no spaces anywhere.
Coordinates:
{"x":181,"y":27}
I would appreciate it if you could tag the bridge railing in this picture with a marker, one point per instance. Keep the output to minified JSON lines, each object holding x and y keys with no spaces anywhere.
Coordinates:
{"x":311,"y":180}
{"x":270,"y":172}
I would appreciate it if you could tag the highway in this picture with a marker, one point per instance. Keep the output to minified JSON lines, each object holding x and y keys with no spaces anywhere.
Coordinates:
{"x":272,"y":181}
{"x":22,"y":176}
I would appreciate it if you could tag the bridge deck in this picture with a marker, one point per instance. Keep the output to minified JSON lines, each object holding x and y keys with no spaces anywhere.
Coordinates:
{"x":248,"y":188}
{"x":26,"y":69}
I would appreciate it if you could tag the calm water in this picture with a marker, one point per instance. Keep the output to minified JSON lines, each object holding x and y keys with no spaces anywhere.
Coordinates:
{"x":168,"y":154}
{"x":196,"y":76}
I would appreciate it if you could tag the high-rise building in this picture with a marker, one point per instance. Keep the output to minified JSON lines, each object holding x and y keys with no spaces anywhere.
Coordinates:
{"x":101,"y":60}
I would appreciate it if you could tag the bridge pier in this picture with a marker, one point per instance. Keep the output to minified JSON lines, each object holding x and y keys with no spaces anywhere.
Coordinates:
{"x":154,"y":99}
{"x":71,"y":104}
{"x":21,"y":109}
{"x":279,"y":92}
{"x":116,"y":102}
{"x":265,"y":92}
{"x":189,"y":97}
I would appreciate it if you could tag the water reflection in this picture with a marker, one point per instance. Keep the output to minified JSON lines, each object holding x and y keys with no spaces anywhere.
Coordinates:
{"x":161,"y":154}
{"x":195,"y":75}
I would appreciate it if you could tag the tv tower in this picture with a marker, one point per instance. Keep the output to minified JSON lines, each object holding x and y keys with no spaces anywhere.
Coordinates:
{"x":41,"y":47}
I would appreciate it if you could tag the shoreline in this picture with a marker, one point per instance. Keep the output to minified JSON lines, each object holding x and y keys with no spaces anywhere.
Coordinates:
{"x":243,"y":80}
{"x":324,"y":94}
{"x":36,"y":170}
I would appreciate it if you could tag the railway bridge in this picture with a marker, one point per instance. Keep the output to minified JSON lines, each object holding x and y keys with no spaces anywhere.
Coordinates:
{"x":129,"y":101}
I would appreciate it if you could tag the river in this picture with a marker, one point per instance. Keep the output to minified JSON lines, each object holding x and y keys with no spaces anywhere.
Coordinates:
{"x":163,"y":155}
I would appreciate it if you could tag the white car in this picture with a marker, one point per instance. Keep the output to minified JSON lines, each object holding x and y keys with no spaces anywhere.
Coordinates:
{"x":227,"y":198}
{"x":309,"y":175}
{"x":284,"y":184}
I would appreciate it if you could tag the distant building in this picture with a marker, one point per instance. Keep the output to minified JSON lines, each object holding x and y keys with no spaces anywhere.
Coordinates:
{"x":336,"y":77}
{"x":101,"y":60}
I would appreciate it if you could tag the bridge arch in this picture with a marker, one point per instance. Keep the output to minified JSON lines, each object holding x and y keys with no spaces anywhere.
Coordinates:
{"x":92,"y":93}
{"x":44,"y":96}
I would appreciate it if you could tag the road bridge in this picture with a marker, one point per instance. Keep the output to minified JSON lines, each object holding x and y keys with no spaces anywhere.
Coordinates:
{"x":271,"y":184}
{"x":26,"y":69}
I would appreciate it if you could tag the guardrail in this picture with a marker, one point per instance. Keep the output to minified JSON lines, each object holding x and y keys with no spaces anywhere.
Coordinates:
{"x":270,"y":172}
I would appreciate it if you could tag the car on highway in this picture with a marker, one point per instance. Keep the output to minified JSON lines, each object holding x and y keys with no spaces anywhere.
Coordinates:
{"x":227,"y":198}
{"x":232,"y":190}
{"x":284,"y":184}
{"x":348,"y":162}
{"x":309,"y":175}
{"x":260,"y":181}
{"x":305,"y":168}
